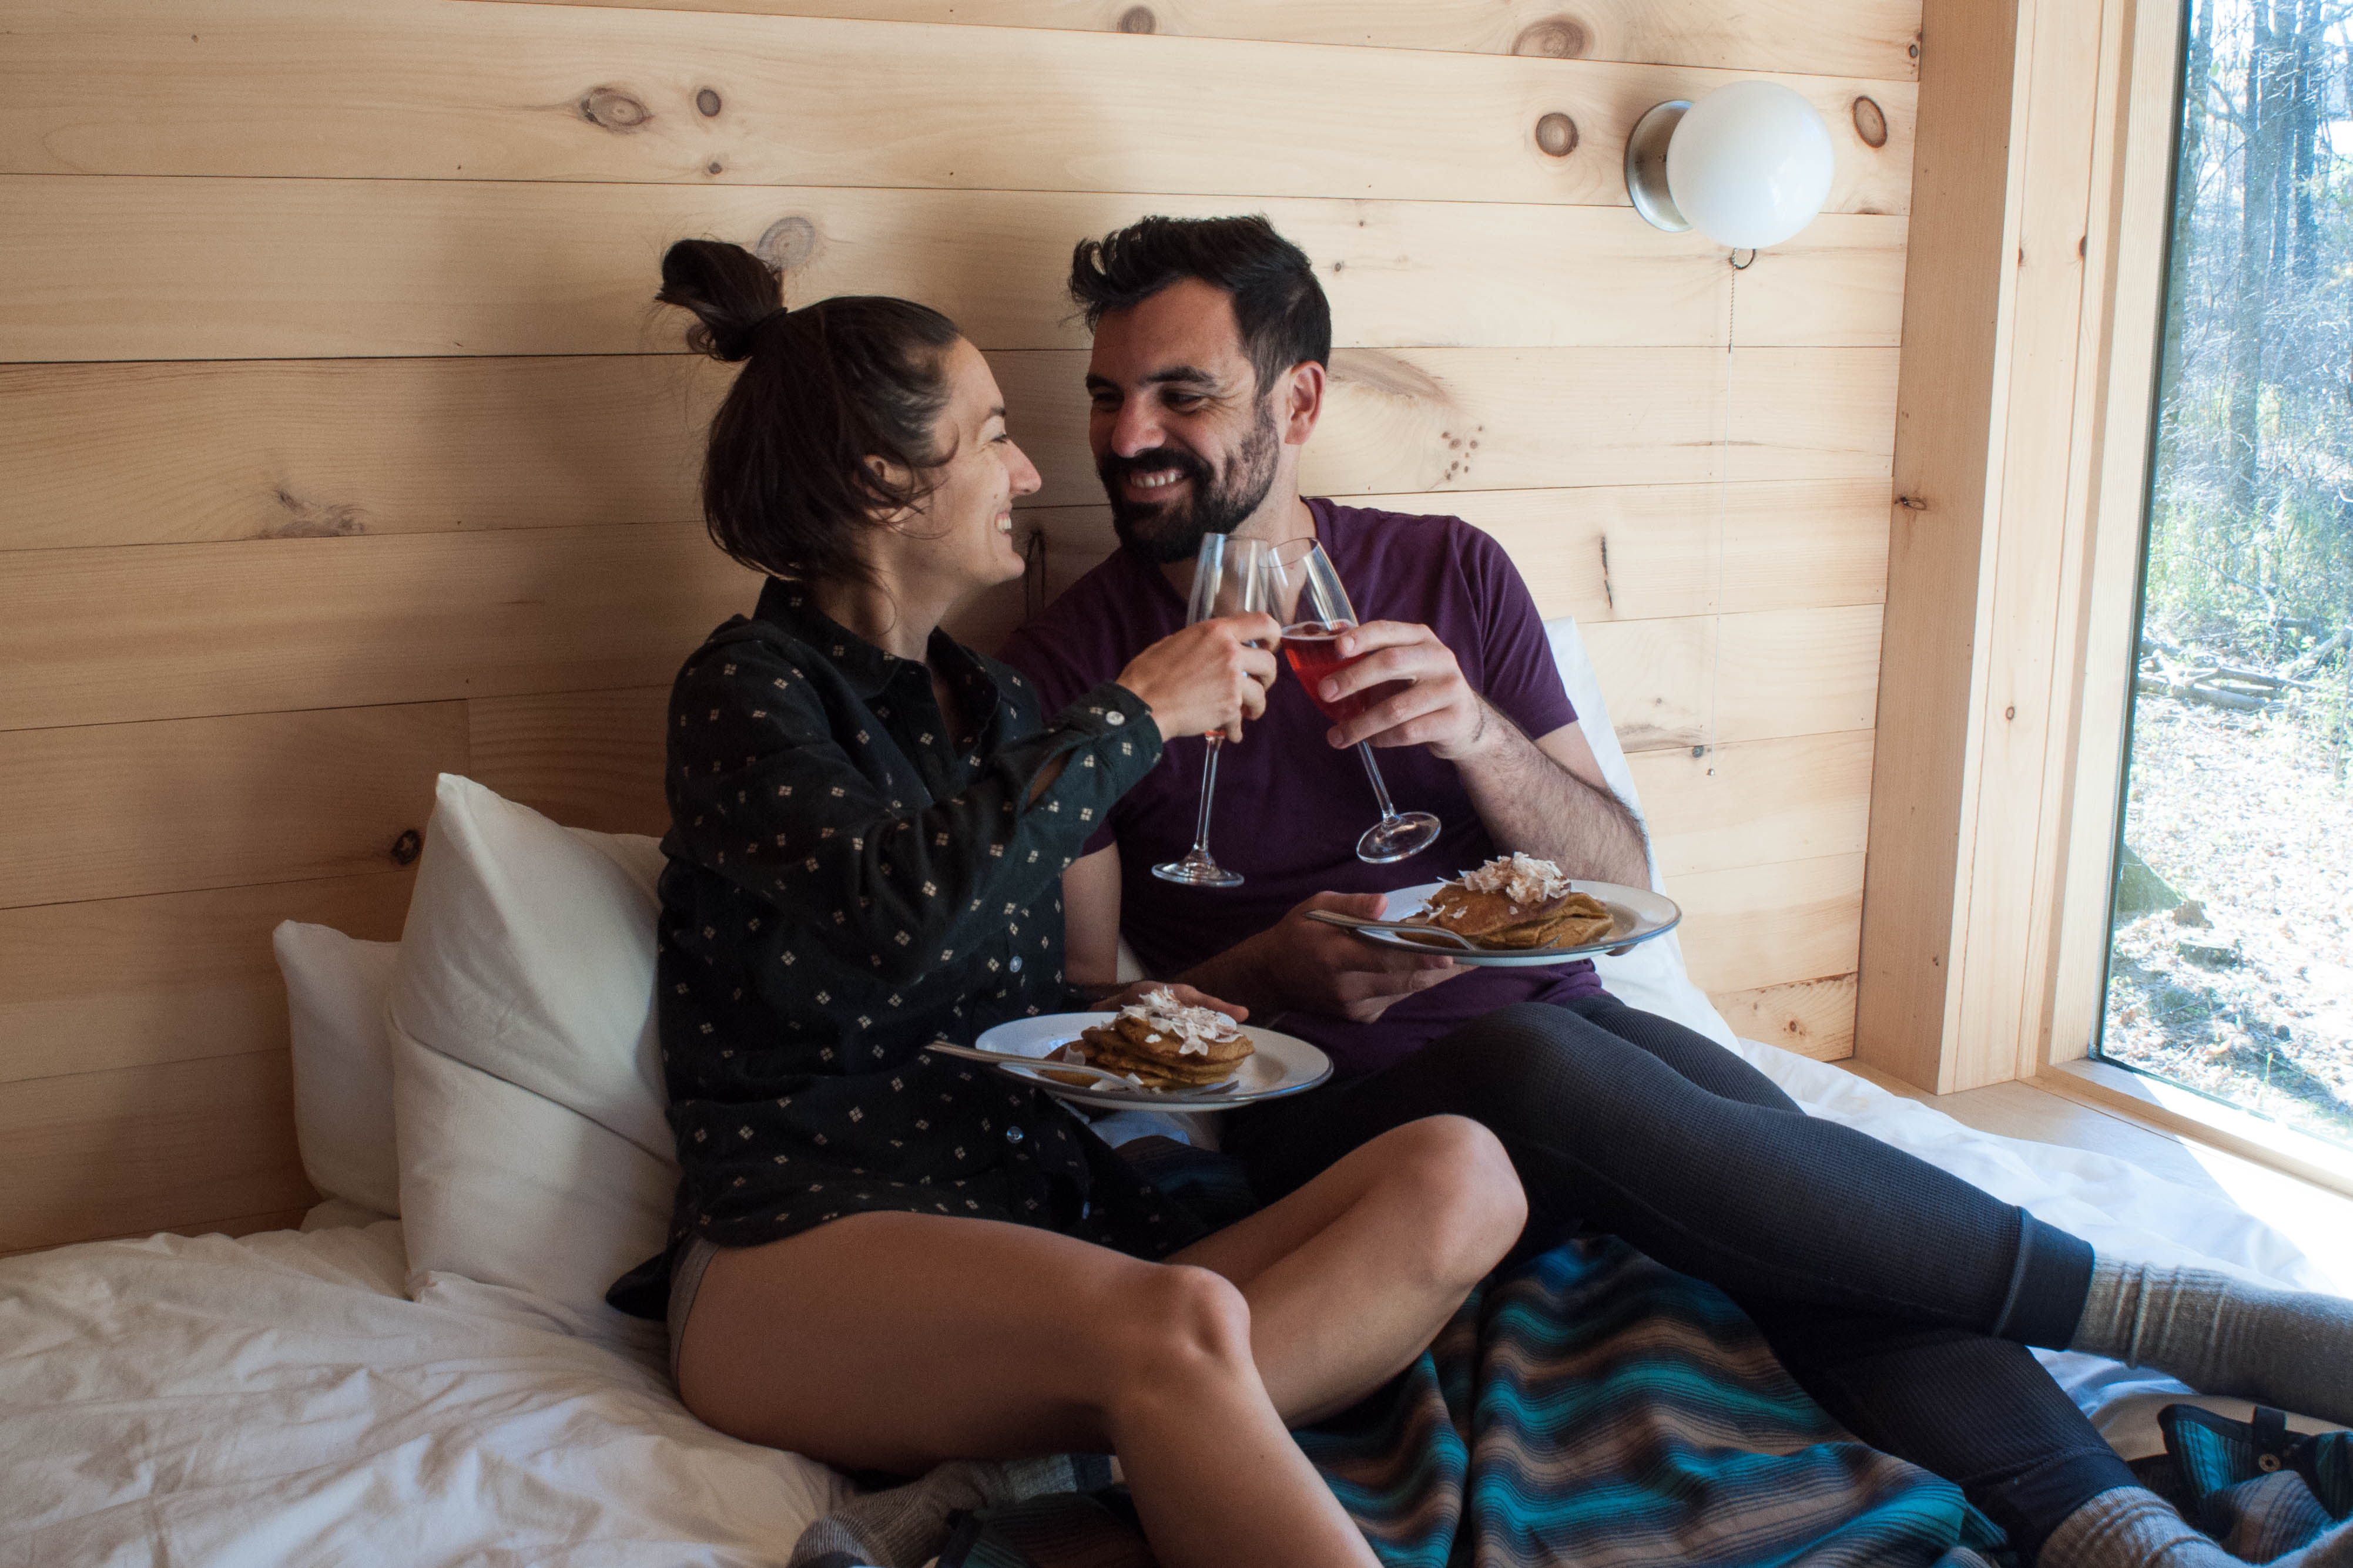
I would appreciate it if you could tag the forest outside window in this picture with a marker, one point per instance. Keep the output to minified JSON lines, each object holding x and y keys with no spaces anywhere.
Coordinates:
{"x":2230,"y":954}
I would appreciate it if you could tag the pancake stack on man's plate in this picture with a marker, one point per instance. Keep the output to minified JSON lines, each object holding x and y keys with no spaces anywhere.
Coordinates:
{"x":1516,"y":901}
{"x":1164,"y":1044}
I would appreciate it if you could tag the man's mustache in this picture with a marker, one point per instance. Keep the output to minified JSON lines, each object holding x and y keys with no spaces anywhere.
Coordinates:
{"x":1114,"y":467}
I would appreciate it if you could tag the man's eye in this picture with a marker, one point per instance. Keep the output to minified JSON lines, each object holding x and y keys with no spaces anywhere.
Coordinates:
{"x":1184,"y":401}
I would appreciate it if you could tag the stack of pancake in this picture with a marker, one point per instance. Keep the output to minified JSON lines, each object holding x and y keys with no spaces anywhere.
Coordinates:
{"x":1517,"y":901}
{"x":1164,"y":1044}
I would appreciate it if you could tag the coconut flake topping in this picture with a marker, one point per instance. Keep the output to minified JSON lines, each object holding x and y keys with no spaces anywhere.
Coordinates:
{"x":1195,"y":1027}
{"x":1525,"y":879}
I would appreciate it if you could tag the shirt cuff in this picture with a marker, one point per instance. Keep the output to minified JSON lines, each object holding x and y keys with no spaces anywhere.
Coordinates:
{"x":1121,"y":724}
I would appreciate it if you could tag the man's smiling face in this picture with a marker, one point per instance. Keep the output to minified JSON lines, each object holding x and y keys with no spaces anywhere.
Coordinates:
{"x":1185,"y":442}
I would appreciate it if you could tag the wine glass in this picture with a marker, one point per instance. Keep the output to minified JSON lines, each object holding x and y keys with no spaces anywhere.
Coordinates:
{"x":1229,"y":578}
{"x":1307,"y":598}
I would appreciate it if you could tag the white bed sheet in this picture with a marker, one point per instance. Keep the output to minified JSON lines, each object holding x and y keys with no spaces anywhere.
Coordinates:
{"x":281,"y":1399}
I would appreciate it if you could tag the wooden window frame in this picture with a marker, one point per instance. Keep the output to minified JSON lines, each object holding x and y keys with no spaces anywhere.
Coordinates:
{"x":2043,"y":207}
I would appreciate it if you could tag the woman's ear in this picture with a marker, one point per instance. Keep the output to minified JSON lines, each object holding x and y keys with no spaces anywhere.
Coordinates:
{"x":888,"y":476}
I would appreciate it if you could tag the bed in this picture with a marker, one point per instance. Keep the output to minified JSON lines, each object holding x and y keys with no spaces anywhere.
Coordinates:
{"x":425,"y":1373}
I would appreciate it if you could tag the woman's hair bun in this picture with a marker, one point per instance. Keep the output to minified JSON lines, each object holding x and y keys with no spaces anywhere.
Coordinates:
{"x":731,"y":292}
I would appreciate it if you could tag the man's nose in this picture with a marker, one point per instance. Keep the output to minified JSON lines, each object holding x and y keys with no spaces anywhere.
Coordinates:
{"x":1136,"y":429}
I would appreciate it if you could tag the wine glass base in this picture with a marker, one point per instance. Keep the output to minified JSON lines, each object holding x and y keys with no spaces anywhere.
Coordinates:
{"x":1400,"y":836}
{"x":1197,"y":871}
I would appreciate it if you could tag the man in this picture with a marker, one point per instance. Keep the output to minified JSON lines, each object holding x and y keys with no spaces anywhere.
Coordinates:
{"x":1901,"y":1296}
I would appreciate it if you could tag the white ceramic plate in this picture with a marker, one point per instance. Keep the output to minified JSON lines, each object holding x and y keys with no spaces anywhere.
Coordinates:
{"x":1640,"y":913}
{"x":1283,"y":1064}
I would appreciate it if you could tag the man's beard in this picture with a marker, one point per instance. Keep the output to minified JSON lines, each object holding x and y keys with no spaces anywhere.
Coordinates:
{"x":1161,"y":533}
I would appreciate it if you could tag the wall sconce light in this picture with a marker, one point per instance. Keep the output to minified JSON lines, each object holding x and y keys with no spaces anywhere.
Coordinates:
{"x":1748,"y":165}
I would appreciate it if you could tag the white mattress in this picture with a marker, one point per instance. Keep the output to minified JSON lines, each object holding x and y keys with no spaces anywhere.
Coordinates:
{"x":281,"y":1399}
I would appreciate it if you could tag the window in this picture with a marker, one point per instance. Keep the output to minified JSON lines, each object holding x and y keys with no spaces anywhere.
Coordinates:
{"x":2231,"y":947}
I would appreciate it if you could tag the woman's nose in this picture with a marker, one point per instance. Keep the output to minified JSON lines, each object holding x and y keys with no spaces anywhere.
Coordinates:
{"x":1023,"y":472}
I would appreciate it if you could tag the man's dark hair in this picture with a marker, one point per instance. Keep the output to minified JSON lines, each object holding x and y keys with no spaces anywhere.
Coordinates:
{"x":1278,"y":306}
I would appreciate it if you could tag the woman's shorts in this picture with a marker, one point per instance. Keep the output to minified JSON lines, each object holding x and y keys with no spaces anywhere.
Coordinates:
{"x":685,"y":1278}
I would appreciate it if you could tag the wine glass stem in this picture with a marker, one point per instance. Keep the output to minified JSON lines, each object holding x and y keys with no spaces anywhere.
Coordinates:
{"x":1208,"y":793}
{"x":1372,"y":771}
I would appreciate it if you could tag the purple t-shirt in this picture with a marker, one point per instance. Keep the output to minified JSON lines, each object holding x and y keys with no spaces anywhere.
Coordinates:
{"x":1290,"y":807}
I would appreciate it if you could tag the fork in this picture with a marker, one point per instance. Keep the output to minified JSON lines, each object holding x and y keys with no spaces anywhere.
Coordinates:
{"x":1103,"y":1075}
{"x":1411,"y":933}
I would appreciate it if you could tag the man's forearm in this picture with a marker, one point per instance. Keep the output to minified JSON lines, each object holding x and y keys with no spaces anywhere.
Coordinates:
{"x":1530,"y":803}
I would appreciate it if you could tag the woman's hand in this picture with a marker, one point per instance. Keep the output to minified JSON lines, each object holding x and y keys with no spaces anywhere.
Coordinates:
{"x":1208,"y":677}
{"x":1132,"y":995}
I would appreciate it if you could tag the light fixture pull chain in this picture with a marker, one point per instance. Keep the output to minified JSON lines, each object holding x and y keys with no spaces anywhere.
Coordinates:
{"x":1723,"y":486}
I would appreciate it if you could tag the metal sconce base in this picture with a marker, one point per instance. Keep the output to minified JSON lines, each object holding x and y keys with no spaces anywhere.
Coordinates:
{"x":1646,"y":165}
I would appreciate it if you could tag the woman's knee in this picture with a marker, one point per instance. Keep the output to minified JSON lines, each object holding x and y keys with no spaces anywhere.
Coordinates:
{"x":1169,"y":1325}
{"x":1465,"y":1192}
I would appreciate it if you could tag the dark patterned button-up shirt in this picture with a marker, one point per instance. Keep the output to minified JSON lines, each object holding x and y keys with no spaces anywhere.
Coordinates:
{"x":854,"y":874}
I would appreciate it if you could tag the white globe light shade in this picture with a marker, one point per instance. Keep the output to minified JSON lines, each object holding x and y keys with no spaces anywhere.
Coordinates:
{"x":1750,"y":164}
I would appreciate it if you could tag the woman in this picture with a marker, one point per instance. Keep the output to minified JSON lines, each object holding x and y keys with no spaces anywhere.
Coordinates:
{"x":884,"y":1258}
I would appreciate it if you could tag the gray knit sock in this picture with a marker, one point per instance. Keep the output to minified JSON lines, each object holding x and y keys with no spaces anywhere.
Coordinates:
{"x":2133,"y":1528}
{"x":903,"y":1527}
{"x":2221,"y":1334}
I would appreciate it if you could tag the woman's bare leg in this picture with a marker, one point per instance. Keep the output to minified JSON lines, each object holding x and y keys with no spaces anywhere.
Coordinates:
{"x":1350,"y":1276}
{"x":897,"y":1340}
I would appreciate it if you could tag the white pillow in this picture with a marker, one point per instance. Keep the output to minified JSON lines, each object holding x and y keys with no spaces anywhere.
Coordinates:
{"x":335,"y":988}
{"x":533,"y":1150}
{"x":1652,"y":976}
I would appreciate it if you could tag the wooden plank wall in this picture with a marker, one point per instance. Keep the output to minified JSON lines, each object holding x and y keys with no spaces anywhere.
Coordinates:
{"x":340,"y":444}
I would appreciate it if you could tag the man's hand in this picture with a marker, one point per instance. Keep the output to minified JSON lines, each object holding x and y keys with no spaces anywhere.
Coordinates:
{"x":1306,"y":966}
{"x":1439,"y":710}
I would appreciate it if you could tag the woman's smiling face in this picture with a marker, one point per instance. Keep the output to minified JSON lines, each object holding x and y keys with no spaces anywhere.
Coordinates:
{"x":961,"y":535}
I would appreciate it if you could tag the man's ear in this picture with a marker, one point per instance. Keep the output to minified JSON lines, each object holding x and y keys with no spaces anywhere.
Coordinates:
{"x":1303,"y":402}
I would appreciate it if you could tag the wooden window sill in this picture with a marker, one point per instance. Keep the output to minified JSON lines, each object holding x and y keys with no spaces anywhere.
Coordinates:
{"x":2187,"y":1114}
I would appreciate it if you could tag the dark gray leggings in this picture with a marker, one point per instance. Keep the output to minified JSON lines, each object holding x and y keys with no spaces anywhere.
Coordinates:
{"x":1898,"y":1296}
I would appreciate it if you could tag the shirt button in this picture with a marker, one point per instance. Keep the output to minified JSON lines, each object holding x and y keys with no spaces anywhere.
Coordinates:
{"x":1115,"y":718}
{"x":1016,"y":964}
{"x":1014,"y":1135}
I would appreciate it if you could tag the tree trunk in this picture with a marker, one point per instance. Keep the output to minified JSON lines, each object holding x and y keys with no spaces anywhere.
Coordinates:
{"x":2188,"y":174}
{"x":2305,"y":85}
{"x":2258,"y":206}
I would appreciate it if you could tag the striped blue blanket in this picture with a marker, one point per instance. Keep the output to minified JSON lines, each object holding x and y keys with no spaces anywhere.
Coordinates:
{"x":1595,"y":1408}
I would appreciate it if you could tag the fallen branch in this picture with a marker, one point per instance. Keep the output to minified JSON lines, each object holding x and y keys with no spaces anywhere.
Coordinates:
{"x":2310,"y":658}
{"x":2259,"y":678}
{"x":2239,"y":702}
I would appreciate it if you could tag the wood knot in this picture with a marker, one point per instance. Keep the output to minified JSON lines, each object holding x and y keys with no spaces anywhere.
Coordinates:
{"x":407,"y":848}
{"x":706,"y":103}
{"x":1912,"y":503}
{"x":1555,"y":37}
{"x":614,"y":109}
{"x":1138,"y":20}
{"x":1556,"y":136}
{"x":1869,"y":122}
{"x":315,"y":519}
{"x":788,"y":243}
